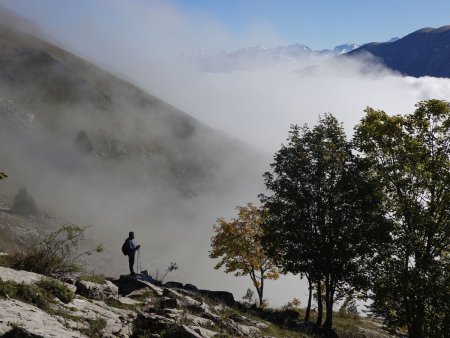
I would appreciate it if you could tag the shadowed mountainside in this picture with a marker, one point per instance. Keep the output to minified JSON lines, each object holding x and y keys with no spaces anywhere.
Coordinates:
{"x":425,"y":52}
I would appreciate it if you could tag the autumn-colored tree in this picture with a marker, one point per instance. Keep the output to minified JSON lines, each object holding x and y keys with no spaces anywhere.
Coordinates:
{"x":238,"y":246}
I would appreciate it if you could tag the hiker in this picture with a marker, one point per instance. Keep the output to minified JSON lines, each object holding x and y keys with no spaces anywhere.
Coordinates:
{"x":129,"y":248}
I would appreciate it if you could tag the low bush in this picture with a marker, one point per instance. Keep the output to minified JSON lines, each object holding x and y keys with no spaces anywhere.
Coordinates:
{"x":30,"y":294}
{"x":56,"y":289}
{"x":95,"y":328}
{"x":53,"y":255}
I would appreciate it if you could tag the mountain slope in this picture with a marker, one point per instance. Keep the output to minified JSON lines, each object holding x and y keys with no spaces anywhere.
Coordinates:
{"x":98,"y":150}
{"x":425,"y":52}
{"x":95,"y":115}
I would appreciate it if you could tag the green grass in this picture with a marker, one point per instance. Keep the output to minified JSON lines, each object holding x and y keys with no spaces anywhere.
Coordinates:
{"x":31,"y":294}
{"x":113,"y":302}
{"x":95,"y":327}
{"x":97,"y":279}
{"x":56,"y":289}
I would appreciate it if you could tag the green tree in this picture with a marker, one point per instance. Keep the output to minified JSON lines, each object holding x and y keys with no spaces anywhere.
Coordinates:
{"x":24,"y":203}
{"x":239,"y":247}
{"x":325,"y":217}
{"x":410,"y":156}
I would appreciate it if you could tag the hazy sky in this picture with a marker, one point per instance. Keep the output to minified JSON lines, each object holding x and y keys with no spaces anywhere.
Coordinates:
{"x":316,"y":23}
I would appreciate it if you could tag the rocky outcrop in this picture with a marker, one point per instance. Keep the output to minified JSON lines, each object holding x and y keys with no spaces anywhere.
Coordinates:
{"x":18,"y":319}
{"x":129,"y":307}
{"x":96,"y":291}
{"x":100,"y":310}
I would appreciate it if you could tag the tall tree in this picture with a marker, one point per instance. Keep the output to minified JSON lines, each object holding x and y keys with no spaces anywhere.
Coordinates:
{"x":238,"y":246}
{"x":325,"y":217}
{"x":410,"y":156}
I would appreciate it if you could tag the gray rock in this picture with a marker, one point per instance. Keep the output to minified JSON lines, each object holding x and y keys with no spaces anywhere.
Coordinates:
{"x":25,"y":277}
{"x":118,"y":321}
{"x":19,"y":276}
{"x":30,"y":321}
{"x":224,"y":296}
{"x":128,"y":284}
{"x":96,"y":291}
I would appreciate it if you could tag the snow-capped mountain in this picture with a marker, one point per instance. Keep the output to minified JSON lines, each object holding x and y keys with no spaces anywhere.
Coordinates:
{"x":256,"y":57}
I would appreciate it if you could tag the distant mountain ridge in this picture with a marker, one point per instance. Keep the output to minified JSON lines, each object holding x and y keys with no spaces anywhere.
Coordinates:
{"x":425,"y":52}
{"x":260,"y":57}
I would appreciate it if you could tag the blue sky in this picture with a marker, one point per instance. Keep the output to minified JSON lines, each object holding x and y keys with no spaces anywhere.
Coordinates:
{"x":317,"y":23}
{"x":325,"y":23}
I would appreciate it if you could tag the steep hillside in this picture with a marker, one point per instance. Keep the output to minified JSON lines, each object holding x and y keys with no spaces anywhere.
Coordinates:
{"x":95,"y":148}
{"x":425,"y":52}
{"x":71,"y":104}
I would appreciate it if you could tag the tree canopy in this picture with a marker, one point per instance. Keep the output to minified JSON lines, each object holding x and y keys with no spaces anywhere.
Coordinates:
{"x":238,"y":246}
{"x":410,"y":157}
{"x":324,"y":210}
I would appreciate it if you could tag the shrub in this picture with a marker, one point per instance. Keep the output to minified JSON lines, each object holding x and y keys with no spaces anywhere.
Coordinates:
{"x":30,"y":294}
{"x":96,"y":327}
{"x":53,"y":254}
{"x":24,"y":203}
{"x":56,"y":289}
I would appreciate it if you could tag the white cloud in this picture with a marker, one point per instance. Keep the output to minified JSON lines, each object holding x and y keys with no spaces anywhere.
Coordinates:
{"x":142,"y":41}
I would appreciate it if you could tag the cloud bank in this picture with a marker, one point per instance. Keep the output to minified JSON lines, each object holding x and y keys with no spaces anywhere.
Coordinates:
{"x":142,"y":41}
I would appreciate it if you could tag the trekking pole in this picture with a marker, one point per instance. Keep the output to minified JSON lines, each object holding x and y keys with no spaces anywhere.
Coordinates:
{"x":139,"y":263}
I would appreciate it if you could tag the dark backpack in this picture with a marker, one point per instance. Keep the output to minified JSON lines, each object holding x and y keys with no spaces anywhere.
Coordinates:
{"x":126,"y":247}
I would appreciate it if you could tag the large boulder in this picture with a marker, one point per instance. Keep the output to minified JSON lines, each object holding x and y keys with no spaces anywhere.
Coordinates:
{"x":19,"y":319}
{"x":224,"y":296}
{"x":127,"y":284}
{"x":96,"y":291}
{"x":19,"y":276}
{"x":118,"y":321}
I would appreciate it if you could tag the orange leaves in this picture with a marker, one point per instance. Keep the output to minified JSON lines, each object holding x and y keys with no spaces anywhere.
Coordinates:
{"x":238,"y":245}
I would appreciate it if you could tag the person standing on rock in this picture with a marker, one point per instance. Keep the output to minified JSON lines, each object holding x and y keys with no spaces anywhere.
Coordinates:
{"x":132,"y":248}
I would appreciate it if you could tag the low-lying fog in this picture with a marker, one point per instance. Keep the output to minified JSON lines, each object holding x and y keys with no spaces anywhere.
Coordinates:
{"x":144,"y":42}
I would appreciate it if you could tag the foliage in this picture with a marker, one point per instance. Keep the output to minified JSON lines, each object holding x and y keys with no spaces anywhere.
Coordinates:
{"x":53,"y":254}
{"x":349,"y":306}
{"x":410,"y":156}
{"x":324,"y":210}
{"x":31,"y":294}
{"x":56,"y":289}
{"x":95,"y":327}
{"x":249,"y":298}
{"x":2,"y":175}
{"x":294,"y":305}
{"x":172,"y":267}
{"x":239,"y":247}
{"x":24,"y":203}
{"x":113,"y":302}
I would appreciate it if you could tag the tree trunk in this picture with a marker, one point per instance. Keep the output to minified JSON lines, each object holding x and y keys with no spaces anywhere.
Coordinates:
{"x":260,"y":296}
{"x":308,"y":308}
{"x":415,"y":329}
{"x":319,"y":304}
{"x":329,"y":300}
